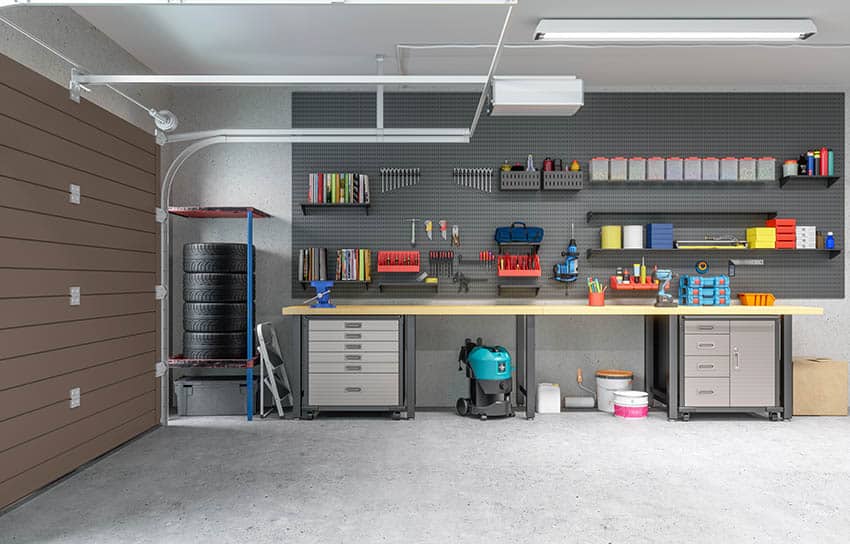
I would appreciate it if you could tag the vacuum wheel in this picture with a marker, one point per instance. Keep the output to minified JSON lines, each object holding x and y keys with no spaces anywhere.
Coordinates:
{"x":462,"y":407}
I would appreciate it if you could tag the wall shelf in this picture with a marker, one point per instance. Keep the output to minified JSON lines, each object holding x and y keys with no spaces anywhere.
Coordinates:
{"x":699,"y":184}
{"x":832,"y":253}
{"x":309,"y":208}
{"x":418,"y":285}
{"x":812,"y":181}
{"x":594,"y":213}
{"x":337,"y":283}
{"x":178,"y":361}
{"x":533,"y":246}
{"x":516,"y":289}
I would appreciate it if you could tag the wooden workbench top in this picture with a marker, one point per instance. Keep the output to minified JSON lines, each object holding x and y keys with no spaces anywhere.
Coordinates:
{"x":542,"y":308}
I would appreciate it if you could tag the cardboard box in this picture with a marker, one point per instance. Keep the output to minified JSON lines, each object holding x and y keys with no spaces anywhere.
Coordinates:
{"x":820,"y":387}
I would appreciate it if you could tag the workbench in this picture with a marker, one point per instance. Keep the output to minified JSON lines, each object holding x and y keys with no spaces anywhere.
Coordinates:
{"x":661,"y":326}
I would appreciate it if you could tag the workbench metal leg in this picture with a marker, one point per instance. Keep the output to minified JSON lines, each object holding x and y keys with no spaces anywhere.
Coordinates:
{"x":296,"y":364}
{"x":410,"y":365}
{"x":649,"y":356}
{"x":671,"y":323}
{"x":520,"y":361}
{"x":787,"y":369}
{"x":530,"y":370}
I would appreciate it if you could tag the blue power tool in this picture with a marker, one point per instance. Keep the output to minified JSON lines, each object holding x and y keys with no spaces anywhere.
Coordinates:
{"x":567,"y":272}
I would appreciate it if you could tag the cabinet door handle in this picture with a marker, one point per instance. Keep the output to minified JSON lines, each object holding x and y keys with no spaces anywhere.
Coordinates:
{"x":353,"y":368}
{"x":353,"y":336}
{"x":705,"y":392}
{"x":706,"y":345}
{"x":706,"y":327}
{"x":737,"y":357}
{"x":353,"y":346}
{"x":353,"y":325}
{"x":705,"y":366}
{"x":353,"y":389}
{"x":353,"y":357}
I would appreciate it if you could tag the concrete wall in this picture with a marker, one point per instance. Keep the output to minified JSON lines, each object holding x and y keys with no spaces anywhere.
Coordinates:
{"x":67,"y":32}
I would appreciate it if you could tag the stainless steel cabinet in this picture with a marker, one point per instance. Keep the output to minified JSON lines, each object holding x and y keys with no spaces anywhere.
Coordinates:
{"x":754,"y":363}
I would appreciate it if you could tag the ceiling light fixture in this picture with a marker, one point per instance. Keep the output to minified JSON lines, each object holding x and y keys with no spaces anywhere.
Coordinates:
{"x":674,"y":30}
{"x":252,"y":2}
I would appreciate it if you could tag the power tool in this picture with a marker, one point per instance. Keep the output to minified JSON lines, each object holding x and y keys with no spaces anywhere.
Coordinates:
{"x":568,"y":271}
{"x":490,"y":381}
{"x":665,"y":299}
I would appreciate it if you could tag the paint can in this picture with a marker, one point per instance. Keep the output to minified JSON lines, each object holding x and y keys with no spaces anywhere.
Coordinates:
{"x":631,"y":404}
{"x":607,"y":383}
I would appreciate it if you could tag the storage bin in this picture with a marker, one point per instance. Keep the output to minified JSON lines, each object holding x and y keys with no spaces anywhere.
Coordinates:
{"x":637,"y":169}
{"x":563,"y":180}
{"x":599,"y":169}
{"x":729,"y":169}
{"x":618,"y":167}
{"x":820,"y":386}
{"x":747,"y":169}
{"x":711,"y":169}
{"x":693,"y":169}
{"x":757,"y":299}
{"x":633,"y":237}
{"x":212,"y":396}
{"x":612,"y":236}
{"x":548,"y":398}
{"x":519,"y":181}
{"x":675,"y":169}
{"x":655,"y":168}
{"x":766,"y":169}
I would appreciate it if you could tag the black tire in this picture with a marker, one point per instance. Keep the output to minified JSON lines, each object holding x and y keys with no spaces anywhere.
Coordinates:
{"x":205,"y":345}
{"x":462,"y":407}
{"x":214,"y":317}
{"x":215,"y":288}
{"x":216,"y":258}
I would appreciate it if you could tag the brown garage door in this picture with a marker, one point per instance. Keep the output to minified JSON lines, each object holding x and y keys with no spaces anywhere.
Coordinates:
{"x":105,"y":347}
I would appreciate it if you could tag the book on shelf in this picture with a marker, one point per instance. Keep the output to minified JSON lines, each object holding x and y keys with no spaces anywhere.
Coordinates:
{"x":313,"y":264}
{"x":354,"y":265}
{"x":338,"y":188}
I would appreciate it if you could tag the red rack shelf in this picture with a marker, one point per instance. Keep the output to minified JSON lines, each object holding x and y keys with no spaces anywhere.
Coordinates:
{"x":519,"y":266}
{"x":222,"y":212}
{"x":398,"y":261}
{"x":614,"y":285}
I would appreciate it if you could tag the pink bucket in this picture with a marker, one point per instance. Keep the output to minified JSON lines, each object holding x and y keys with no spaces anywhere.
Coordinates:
{"x":631,"y":404}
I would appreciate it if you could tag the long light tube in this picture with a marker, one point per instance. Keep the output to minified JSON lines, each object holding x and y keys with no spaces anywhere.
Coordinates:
{"x":674,"y":30}
{"x":252,"y":2}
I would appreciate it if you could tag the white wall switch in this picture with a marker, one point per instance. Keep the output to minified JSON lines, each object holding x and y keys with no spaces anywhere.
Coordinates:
{"x":75,"y":296}
{"x":75,"y":397}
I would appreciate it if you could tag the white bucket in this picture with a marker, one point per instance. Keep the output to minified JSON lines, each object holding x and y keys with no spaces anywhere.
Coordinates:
{"x":631,"y":404}
{"x":607,"y":383}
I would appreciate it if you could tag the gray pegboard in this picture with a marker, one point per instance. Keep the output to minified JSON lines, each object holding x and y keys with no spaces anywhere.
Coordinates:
{"x":610,"y":124}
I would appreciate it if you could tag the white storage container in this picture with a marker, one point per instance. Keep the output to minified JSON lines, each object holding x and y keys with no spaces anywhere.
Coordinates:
{"x":766,"y":169}
{"x":599,"y":169}
{"x":729,"y":169}
{"x":637,"y":169}
{"x":806,"y":237}
{"x":675,"y":169}
{"x":655,"y":168}
{"x":618,"y":169}
{"x":747,"y":169}
{"x":693,"y":169}
{"x":632,"y":236}
{"x":710,"y":169}
{"x":548,"y":398}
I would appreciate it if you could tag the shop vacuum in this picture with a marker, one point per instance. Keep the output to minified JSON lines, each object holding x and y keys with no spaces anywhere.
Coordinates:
{"x":490,"y":382}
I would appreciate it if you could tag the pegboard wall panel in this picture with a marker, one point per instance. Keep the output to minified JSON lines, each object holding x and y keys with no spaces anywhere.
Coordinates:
{"x":781,"y":125}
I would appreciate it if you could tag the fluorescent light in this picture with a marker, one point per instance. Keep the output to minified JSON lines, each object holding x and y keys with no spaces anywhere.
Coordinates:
{"x":252,"y":2}
{"x":674,"y":30}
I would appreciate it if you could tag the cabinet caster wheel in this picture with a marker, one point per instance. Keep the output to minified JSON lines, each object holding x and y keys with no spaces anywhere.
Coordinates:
{"x":483,"y":417}
{"x":686,"y":417}
{"x":774,"y":417}
{"x":396,"y":416}
{"x":308,"y":416}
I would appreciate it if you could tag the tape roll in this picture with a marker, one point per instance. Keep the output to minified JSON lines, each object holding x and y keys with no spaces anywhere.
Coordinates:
{"x":633,"y":236}
{"x":612,"y":236}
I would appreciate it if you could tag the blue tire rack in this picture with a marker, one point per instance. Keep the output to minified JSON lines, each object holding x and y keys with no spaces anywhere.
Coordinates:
{"x":249,"y":214}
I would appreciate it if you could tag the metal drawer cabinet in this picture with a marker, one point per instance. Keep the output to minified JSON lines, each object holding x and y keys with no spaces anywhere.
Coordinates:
{"x":704,"y":326}
{"x":354,"y":325}
{"x":354,"y":346}
{"x":354,"y":335}
{"x":354,"y":390}
{"x":707,"y":344}
{"x":711,"y":366}
{"x":342,"y":357}
{"x":358,"y":368}
{"x":701,"y":392}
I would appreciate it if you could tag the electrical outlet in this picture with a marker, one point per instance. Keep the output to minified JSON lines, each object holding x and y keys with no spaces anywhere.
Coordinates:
{"x":75,"y":397}
{"x":75,"y":296}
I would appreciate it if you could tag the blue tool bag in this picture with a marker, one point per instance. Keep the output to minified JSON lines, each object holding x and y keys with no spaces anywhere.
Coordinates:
{"x":519,"y":232}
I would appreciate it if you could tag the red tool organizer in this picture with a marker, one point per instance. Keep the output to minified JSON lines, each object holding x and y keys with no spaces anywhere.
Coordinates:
{"x":519,"y":266}
{"x":619,"y":286}
{"x":398,"y":261}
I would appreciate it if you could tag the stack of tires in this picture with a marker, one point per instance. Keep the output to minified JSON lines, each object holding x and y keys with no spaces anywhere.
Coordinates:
{"x":215,"y":294}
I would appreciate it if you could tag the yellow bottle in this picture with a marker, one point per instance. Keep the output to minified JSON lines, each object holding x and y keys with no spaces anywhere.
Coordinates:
{"x":575,"y":166}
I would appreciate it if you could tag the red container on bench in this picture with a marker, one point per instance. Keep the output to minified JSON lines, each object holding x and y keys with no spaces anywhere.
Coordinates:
{"x":779,"y":223}
{"x":398,"y":261}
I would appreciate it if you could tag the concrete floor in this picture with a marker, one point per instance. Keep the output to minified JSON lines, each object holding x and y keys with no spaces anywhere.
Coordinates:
{"x":580,"y":477}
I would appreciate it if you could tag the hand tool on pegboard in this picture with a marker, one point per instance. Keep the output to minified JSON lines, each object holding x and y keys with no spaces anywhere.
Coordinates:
{"x":463,"y":281}
{"x":399,"y":178}
{"x":480,"y":179}
{"x":413,"y":223}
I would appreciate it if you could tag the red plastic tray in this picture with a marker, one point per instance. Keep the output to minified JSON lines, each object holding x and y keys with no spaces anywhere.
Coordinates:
{"x":398,"y":261}
{"x":530,"y":266}
{"x":614,"y":285}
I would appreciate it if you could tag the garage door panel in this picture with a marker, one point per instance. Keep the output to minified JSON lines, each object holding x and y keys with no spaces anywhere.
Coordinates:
{"x":22,"y":166}
{"x":23,"y":312}
{"x":29,"y":254}
{"x":31,"y":140}
{"x":22,"y":195}
{"x":20,"y":107}
{"x":30,"y":454}
{"x":37,"y":86}
{"x":15,"y":283}
{"x":33,"y":226}
{"x":42,"y":338}
{"x":25,"y":399}
{"x":27,"y":369}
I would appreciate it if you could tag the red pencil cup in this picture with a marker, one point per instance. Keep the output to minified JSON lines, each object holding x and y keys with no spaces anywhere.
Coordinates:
{"x":596,"y":299}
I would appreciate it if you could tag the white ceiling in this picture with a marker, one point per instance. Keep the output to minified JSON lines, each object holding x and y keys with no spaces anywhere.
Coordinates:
{"x":342,"y":39}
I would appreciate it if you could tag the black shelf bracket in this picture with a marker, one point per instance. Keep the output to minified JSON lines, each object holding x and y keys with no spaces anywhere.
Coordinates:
{"x":827,"y":181}
{"x":308,"y":208}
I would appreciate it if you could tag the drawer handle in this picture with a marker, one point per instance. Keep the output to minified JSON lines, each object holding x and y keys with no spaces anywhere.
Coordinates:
{"x":353,"y":325}
{"x":706,"y":345}
{"x":353,"y":389}
{"x":353,"y":336}
{"x":706,"y":327}
{"x":353,"y":368}
{"x":705,"y":366}
{"x":353,"y":346}
{"x":353,"y":357}
{"x":705,"y":392}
